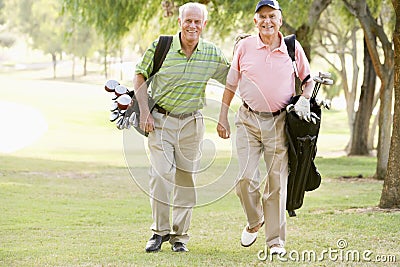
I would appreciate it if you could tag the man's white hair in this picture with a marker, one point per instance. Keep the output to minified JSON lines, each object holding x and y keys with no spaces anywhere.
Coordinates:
{"x":202,"y":7}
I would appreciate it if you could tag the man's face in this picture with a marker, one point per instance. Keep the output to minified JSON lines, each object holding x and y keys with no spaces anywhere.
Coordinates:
{"x":268,"y":21}
{"x":192,"y":24}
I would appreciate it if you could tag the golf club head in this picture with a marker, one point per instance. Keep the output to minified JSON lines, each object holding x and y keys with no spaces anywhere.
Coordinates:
{"x":317,"y":79}
{"x":323,"y":103}
{"x":126,"y":124}
{"x":114,"y":115}
{"x":123,"y":101}
{"x":120,"y":122}
{"x":110,"y":85}
{"x":120,"y":90}
{"x":133,"y":120}
{"x":114,"y":106}
{"x":327,"y":81}
{"x":325,"y":75}
{"x":327,"y":104}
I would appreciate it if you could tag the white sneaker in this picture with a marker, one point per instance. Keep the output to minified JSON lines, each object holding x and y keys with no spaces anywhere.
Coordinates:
{"x":247,"y":238}
{"x":277,"y":250}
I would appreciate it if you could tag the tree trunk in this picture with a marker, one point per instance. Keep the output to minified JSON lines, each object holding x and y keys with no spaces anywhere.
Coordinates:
{"x":390,"y":197}
{"x":84,"y":65}
{"x":54,"y":60}
{"x":372,"y":131}
{"x":73,"y":68}
{"x":385,"y":123}
{"x":359,"y":144}
{"x":121,"y":63}
{"x":105,"y":61}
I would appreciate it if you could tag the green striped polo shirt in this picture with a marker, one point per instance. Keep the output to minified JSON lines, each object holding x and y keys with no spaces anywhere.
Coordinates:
{"x":179,"y":86}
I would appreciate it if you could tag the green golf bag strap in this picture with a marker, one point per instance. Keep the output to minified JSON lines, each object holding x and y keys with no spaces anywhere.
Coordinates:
{"x":160,"y":53}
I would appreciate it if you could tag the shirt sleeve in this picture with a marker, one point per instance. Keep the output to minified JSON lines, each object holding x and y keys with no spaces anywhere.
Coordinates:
{"x":222,"y":68}
{"x":234,"y":71}
{"x":303,"y":65}
{"x":145,"y":64}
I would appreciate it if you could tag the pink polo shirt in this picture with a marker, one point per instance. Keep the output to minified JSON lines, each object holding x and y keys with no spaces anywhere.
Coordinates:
{"x":266,"y":78}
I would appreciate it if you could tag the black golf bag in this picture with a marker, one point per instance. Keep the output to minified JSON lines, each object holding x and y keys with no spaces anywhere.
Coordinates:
{"x":303,"y":174}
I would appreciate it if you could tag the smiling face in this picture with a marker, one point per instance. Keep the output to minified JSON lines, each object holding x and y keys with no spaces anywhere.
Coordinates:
{"x":268,"y":21}
{"x":192,"y":24}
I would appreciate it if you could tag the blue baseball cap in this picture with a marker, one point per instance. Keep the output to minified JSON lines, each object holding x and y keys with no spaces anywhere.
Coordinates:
{"x":271,"y":3}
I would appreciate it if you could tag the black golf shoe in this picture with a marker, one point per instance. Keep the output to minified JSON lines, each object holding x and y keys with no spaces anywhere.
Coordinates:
{"x":179,"y":247}
{"x":155,"y":242}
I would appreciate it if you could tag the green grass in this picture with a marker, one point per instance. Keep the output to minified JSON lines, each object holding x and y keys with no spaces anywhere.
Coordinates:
{"x":68,"y":199}
{"x":64,"y":213}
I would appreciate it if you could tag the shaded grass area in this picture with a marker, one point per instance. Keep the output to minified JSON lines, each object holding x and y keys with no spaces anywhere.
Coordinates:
{"x":346,"y":166}
{"x":61,"y":213}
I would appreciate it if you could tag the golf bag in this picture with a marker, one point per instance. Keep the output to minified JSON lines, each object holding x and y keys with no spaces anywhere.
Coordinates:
{"x":302,"y":138}
{"x":160,"y":53}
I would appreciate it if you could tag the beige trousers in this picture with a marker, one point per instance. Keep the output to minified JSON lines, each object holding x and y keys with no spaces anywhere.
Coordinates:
{"x":174,"y":154}
{"x":258,"y":135}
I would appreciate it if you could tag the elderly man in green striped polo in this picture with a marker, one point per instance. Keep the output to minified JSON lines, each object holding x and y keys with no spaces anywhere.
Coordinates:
{"x":175,"y":125}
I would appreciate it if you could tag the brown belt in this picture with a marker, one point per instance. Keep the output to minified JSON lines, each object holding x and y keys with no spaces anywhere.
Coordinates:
{"x":178,"y":116}
{"x":264,"y":114}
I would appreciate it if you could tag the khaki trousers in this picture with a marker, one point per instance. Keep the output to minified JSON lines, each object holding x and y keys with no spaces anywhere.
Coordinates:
{"x":174,"y":154}
{"x":258,"y":135}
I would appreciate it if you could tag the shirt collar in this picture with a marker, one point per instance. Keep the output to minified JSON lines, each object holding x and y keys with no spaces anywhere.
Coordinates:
{"x":176,"y":43}
{"x":282,"y":46}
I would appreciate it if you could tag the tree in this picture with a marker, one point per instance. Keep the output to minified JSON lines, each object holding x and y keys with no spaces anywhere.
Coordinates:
{"x":111,"y":19}
{"x":304,"y":25}
{"x":390,"y":197}
{"x":336,"y":41}
{"x":44,"y":26}
{"x":359,"y":139}
{"x":372,"y":30}
{"x":80,"y":42}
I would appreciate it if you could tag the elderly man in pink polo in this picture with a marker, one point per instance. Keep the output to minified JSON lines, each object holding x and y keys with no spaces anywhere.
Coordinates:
{"x":263,"y":71}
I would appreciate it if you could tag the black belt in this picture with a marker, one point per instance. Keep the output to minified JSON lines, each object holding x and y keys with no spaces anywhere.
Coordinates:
{"x":178,"y":116}
{"x":264,"y":114}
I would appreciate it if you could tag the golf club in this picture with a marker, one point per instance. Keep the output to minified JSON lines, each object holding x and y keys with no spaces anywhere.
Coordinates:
{"x":114,"y":115}
{"x":123,"y":101}
{"x":110,"y":85}
{"x":120,"y":90}
{"x":322,"y":78}
{"x":325,"y":74}
{"x":114,"y":106}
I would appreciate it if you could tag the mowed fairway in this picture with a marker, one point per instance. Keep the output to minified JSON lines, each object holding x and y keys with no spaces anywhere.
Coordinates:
{"x":69,"y":199}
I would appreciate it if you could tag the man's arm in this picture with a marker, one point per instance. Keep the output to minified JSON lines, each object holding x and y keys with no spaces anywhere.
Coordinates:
{"x":223,"y":127}
{"x":146,"y":119}
{"x":308,"y":88}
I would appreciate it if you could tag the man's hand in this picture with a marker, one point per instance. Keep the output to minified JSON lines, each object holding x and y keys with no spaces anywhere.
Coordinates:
{"x":223,"y":128}
{"x":302,"y":108}
{"x":146,"y":122}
